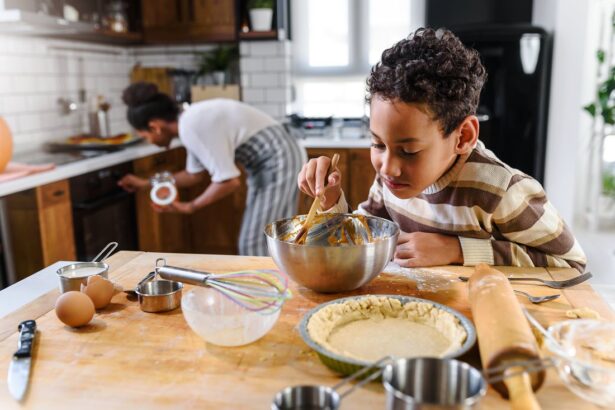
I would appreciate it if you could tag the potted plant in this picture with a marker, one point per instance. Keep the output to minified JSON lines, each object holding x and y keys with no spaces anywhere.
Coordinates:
{"x":216,"y":62}
{"x":261,"y":14}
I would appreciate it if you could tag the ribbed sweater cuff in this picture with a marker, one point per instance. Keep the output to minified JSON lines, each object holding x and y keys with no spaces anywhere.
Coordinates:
{"x":341,"y":207}
{"x":476,"y":251}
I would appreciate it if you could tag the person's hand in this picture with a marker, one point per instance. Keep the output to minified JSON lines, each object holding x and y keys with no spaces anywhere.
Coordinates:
{"x":427,"y":249}
{"x":131,"y":182}
{"x":175,"y":207}
{"x":311,"y":181}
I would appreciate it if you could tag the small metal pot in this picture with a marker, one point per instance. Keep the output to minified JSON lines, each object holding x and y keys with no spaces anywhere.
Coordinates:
{"x":432,"y":383}
{"x":159,"y":295}
{"x":74,"y":275}
{"x":306,"y":397}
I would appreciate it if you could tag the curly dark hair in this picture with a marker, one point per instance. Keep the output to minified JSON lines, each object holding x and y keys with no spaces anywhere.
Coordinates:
{"x":431,"y":67}
{"x":146,"y":103}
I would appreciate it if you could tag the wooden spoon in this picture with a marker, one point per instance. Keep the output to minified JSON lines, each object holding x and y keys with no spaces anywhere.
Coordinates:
{"x":309,"y":219}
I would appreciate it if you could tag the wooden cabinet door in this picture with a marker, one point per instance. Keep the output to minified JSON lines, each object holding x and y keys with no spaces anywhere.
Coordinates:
{"x":41,"y":227}
{"x":305,"y":202}
{"x":213,"y":20}
{"x":362,"y":176}
{"x":160,"y":13}
{"x":215,"y":228}
{"x":161,"y":232}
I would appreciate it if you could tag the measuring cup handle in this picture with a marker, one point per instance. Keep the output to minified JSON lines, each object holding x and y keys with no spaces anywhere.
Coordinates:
{"x":361,"y":372}
{"x":111,"y":245}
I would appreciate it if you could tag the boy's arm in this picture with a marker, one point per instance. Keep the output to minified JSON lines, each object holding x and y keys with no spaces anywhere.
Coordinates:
{"x":528,"y":232}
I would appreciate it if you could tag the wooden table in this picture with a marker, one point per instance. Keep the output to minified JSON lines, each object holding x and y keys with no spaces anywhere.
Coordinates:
{"x":127,"y":358}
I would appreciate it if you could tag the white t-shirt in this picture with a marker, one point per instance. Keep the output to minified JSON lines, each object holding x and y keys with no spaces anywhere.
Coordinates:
{"x":211,"y":130}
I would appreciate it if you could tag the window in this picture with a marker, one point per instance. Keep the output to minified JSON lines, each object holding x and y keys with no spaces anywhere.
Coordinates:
{"x":335,"y":43}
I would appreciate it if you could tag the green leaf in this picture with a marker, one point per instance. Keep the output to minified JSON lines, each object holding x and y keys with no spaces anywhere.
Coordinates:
{"x":591,"y":109}
{"x":600,"y":56}
{"x":607,"y":115}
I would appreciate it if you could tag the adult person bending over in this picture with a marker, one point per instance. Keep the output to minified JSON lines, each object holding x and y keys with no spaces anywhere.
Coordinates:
{"x":216,"y":134}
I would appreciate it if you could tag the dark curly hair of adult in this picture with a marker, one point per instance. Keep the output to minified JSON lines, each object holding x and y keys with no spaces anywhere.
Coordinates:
{"x":431,"y":67}
{"x":146,"y":103}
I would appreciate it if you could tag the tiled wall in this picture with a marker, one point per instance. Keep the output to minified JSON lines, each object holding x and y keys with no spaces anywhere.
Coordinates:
{"x":265,"y":75}
{"x":35,"y":72}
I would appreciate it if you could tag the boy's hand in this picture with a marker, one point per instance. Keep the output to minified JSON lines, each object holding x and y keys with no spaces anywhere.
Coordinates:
{"x":311,"y":181}
{"x":427,"y":249}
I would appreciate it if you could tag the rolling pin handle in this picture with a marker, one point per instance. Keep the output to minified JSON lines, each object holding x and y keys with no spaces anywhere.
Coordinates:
{"x":520,"y":391}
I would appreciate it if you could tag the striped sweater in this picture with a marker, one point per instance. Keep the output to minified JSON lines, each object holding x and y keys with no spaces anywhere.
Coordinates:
{"x":500,"y":215}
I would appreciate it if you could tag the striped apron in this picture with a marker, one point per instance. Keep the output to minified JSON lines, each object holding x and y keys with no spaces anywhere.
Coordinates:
{"x":272,"y":160}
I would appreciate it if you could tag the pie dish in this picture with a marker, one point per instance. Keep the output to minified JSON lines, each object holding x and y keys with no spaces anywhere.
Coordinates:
{"x":354,"y":332}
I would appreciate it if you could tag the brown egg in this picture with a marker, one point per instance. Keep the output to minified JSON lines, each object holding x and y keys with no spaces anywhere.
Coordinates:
{"x":100,"y":290}
{"x":74,"y":309}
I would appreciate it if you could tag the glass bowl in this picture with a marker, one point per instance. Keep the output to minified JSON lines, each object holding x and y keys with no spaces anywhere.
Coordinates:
{"x":222,"y":322}
{"x":585,"y":358}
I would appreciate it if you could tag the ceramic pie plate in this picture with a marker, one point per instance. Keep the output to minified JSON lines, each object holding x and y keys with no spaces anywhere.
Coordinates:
{"x":348,"y":365}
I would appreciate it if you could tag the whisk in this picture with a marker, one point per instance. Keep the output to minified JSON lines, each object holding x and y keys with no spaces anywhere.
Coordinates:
{"x":261,"y":291}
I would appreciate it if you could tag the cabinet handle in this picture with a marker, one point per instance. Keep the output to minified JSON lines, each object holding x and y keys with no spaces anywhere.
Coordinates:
{"x":58,"y":193}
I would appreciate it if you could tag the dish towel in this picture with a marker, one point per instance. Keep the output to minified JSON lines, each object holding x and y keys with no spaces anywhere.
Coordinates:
{"x":16,"y":170}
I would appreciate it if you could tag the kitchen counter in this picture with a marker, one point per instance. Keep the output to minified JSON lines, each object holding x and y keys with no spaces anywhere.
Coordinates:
{"x":72,"y":169}
{"x":130,"y":359}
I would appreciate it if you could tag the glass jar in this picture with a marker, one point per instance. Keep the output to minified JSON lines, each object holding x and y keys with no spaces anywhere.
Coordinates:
{"x":116,"y":18}
{"x":163,"y":190}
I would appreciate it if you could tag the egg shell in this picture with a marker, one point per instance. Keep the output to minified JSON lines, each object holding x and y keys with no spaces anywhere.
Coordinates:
{"x":100,"y":290}
{"x":74,"y":309}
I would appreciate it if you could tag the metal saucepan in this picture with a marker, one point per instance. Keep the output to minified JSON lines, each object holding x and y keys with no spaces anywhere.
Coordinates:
{"x":414,"y":383}
{"x":74,"y":275}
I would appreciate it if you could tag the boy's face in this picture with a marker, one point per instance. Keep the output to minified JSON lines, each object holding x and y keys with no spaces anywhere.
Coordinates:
{"x":409,"y":150}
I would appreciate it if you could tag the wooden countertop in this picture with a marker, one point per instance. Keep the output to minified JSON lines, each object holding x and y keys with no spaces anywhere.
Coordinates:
{"x":126,"y":358}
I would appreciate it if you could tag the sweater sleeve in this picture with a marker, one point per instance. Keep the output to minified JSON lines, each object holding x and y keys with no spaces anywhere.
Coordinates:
{"x":374,"y":205}
{"x":528,"y":231}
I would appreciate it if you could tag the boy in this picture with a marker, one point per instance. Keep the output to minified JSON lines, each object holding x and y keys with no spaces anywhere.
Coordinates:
{"x":455,"y":202}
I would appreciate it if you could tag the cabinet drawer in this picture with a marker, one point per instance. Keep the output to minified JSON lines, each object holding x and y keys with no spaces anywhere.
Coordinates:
{"x":173,"y":160}
{"x":54,"y":193}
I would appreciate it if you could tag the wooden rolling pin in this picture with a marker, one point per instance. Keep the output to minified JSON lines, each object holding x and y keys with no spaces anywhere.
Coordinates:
{"x":504,"y":335}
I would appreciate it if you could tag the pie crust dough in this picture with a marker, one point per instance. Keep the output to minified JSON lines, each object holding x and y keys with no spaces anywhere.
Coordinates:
{"x":373,"y":327}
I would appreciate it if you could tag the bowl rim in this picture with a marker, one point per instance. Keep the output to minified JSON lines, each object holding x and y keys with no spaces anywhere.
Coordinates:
{"x":562,"y":355}
{"x":371,"y":244}
{"x":179,"y":286}
{"x":465,"y":322}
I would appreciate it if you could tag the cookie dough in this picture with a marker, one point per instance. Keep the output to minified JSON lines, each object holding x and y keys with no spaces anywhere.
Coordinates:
{"x":582,"y":313}
{"x":370,"y":328}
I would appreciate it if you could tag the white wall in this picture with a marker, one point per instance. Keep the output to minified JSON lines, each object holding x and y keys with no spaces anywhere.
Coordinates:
{"x":35,"y":72}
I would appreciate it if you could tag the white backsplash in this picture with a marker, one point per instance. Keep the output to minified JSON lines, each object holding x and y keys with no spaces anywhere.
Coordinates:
{"x":35,"y":72}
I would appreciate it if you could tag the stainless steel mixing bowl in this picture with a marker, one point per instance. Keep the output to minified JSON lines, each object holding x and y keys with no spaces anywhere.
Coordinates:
{"x":326,"y":268}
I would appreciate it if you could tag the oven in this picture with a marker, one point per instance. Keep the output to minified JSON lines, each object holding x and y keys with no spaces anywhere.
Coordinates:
{"x":102,"y":211}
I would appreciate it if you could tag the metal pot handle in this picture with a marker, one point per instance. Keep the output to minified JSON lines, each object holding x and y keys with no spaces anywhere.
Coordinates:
{"x":111,"y":245}
{"x":361,"y":372}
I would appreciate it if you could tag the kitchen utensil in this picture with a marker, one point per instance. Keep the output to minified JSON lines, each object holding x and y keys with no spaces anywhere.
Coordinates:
{"x":504,"y":335}
{"x":74,"y":275}
{"x":584,"y":354}
{"x":307,"y":223}
{"x":6,"y":144}
{"x":19,"y":369}
{"x":148,"y":277}
{"x":156,"y":295}
{"x":261,"y":291}
{"x":537,"y":299}
{"x":346,"y":365}
{"x":326,"y":268}
{"x":322,"y":397}
{"x":163,"y":190}
{"x":221,"y":321}
{"x":555,"y":284}
{"x":410,"y":383}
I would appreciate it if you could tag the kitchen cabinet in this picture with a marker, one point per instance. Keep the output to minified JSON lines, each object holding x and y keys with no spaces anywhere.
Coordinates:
{"x":188,"y":21}
{"x":158,"y":232}
{"x":40,"y":227}
{"x":357,"y":174}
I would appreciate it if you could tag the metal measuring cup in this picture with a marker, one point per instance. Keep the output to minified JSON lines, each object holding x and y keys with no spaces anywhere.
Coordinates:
{"x":74,"y":275}
{"x":414,"y":383}
{"x":158,"y":295}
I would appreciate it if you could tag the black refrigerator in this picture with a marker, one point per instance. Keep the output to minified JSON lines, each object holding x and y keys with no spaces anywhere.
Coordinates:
{"x":514,"y":103}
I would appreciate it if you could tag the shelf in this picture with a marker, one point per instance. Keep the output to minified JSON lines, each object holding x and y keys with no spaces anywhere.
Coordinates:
{"x":259,"y":35}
